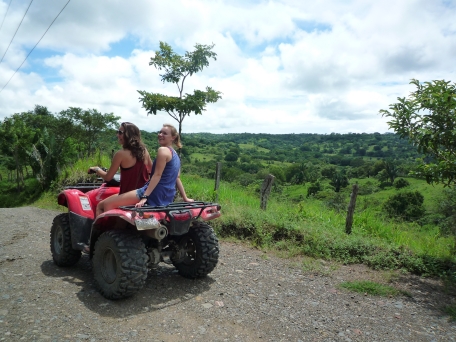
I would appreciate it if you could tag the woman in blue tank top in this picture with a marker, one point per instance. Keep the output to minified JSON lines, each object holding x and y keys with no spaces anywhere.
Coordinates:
{"x":161,"y":187}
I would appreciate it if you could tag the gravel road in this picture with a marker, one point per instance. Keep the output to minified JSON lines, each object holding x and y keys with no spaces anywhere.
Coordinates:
{"x":250,"y":296}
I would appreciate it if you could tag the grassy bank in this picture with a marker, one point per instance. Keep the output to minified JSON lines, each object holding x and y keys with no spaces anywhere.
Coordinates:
{"x":306,"y":226}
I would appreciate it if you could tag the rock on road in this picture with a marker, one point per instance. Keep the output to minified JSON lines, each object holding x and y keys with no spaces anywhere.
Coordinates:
{"x":250,"y":296}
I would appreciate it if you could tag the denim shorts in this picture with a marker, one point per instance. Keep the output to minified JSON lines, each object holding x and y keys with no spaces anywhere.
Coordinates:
{"x":140,"y":192}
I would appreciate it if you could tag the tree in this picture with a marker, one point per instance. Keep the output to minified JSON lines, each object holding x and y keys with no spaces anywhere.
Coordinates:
{"x":88,"y":126}
{"x":15,"y":139}
{"x":427,"y":118}
{"x":176,"y":70}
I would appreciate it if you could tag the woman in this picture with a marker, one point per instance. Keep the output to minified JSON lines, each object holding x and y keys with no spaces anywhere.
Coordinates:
{"x":133,"y":159}
{"x":161,"y":188}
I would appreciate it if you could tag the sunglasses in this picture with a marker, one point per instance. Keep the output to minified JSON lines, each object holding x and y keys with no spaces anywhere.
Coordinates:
{"x":119,"y":132}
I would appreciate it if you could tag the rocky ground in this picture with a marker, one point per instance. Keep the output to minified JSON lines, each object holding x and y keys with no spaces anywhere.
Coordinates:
{"x":250,"y":296}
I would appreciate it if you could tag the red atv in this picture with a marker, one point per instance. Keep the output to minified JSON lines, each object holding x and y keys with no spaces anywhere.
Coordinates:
{"x":125,"y":242}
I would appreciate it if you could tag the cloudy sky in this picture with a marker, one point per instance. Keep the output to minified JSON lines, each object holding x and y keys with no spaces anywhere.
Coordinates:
{"x":289,"y":66}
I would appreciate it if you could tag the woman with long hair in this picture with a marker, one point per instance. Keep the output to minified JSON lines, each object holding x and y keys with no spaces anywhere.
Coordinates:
{"x":161,"y":187}
{"x":133,"y":160}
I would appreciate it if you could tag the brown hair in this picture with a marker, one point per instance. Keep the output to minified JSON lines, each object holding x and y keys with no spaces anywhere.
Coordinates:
{"x":175,"y":135}
{"x":132,"y":140}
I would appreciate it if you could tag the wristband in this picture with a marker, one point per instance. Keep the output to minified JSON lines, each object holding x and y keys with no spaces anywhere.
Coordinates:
{"x":144,"y":197}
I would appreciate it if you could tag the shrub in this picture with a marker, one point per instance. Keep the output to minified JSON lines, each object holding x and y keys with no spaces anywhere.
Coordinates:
{"x":368,"y":188}
{"x":401,"y":183}
{"x":405,"y":205}
{"x":314,"y":188}
{"x":338,"y":202}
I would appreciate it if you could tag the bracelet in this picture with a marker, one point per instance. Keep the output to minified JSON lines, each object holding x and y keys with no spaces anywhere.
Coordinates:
{"x":144,"y":197}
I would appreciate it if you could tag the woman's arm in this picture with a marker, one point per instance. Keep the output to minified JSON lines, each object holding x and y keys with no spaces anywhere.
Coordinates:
{"x":163,"y":156}
{"x":148,"y":162}
{"x":115,"y":164}
{"x":181,"y":189}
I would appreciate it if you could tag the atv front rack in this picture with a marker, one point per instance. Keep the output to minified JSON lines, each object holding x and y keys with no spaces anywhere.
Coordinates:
{"x":176,"y":206}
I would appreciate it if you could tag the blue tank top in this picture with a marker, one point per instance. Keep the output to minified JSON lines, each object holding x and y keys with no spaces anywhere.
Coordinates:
{"x":164,"y":192}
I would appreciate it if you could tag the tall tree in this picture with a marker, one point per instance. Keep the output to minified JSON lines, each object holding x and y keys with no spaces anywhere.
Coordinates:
{"x":88,"y":126}
{"x":15,"y":139}
{"x":427,"y":118}
{"x":176,"y":70}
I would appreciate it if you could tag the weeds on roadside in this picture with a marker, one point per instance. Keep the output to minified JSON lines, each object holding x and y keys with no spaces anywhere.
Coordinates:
{"x":370,"y":287}
{"x":450,"y":310}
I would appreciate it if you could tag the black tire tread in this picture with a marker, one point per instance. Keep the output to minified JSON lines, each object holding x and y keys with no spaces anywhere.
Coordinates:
{"x":133,"y":264}
{"x":208,"y":250}
{"x":68,"y":256}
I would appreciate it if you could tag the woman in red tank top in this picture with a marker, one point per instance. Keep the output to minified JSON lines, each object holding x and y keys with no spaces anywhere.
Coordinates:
{"x":133,"y":160}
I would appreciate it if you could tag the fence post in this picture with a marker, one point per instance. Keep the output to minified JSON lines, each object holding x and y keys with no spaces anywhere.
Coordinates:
{"x":218,"y":169}
{"x":351,"y":210}
{"x":265,"y":191}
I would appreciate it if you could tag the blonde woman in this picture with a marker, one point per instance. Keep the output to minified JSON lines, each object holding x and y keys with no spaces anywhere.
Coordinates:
{"x":161,"y":187}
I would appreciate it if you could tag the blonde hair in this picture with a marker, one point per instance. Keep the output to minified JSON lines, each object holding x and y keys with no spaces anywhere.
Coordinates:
{"x":175,"y":135}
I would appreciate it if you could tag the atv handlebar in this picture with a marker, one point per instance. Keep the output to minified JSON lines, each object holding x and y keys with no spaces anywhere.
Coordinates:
{"x":90,"y":171}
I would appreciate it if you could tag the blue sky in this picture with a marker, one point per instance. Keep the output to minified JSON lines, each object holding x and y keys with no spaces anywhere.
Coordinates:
{"x":291,"y":66}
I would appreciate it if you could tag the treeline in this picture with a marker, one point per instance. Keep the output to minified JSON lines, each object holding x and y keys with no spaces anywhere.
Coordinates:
{"x":300,"y":158}
{"x":40,"y":143}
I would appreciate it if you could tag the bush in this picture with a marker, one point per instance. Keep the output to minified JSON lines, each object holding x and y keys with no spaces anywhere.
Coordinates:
{"x":405,"y":205}
{"x":314,"y":188}
{"x":368,"y":188}
{"x":338,"y":202}
{"x":401,"y":183}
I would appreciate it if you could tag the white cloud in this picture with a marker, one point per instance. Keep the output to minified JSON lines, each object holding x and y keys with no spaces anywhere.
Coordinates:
{"x":283,"y":65}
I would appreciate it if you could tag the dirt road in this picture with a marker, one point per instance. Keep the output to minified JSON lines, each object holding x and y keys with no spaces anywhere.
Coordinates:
{"x":250,"y":296}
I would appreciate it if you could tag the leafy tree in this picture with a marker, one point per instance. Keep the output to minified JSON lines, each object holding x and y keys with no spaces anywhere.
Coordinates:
{"x":427,"y":118}
{"x":447,"y":207}
{"x":176,"y":69}
{"x":389,"y":171}
{"x":339,"y":180}
{"x":15,"y":138}
{"x":231,"y":157}
{"x":88,"y":126}
{"x":405,"y":205}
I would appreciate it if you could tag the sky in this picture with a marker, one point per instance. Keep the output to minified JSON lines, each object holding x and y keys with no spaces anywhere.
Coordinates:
{"x":290,"y":66}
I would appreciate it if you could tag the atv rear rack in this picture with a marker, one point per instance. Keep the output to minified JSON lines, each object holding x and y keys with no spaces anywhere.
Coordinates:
{"x":176,"y":206}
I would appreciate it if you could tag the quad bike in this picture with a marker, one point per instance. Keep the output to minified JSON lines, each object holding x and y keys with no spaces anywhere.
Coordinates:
{"x":124,"y":243}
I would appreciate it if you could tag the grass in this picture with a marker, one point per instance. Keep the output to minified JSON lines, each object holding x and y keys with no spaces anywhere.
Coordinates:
{"x":370,"y":287}
{"x":305,"y":226}
{"x":450,"y":310}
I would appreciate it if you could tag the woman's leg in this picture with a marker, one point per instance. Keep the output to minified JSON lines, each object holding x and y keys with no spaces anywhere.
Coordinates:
{"x":128,"y":198}
{"x":100,"y":207}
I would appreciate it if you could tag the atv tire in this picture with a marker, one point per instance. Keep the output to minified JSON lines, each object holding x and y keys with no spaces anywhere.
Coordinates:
{"x":201,"y":251}
{"x":119,"y":264}
{"x":62,"y":251}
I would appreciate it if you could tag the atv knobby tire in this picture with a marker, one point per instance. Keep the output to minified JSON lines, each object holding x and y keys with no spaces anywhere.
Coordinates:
{"x":119,"y":264}
{"x":201,"y":251}
{"x":62,"y":251}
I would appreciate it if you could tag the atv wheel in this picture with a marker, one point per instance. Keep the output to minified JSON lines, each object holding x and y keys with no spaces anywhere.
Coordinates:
{"x":119,"y":264}
{"x":62,"y":251}
{"x":201,"y":251}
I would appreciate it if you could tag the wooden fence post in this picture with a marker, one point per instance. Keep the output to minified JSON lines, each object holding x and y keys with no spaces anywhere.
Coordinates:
{"x":265,"y":191}
{"x":218,"y":171}
{"x":351,"y":209}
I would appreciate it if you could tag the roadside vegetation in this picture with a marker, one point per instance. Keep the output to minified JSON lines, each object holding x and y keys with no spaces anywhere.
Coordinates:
{"x":404,"y":217}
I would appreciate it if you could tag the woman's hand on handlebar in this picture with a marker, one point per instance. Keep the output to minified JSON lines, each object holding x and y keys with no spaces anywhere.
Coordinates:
{"x":93,"y":169}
